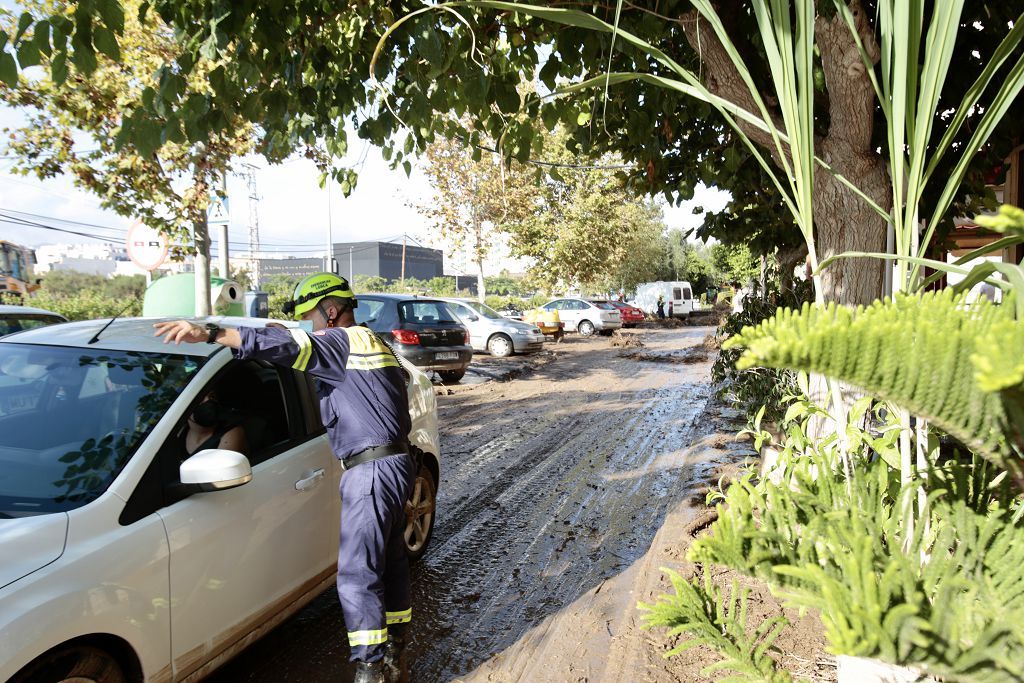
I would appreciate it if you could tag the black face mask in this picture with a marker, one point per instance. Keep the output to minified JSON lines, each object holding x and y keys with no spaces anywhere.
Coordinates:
{"x":206,"y":414}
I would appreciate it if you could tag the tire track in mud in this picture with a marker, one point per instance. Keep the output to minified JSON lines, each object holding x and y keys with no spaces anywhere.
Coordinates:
{"x":579,"y":501}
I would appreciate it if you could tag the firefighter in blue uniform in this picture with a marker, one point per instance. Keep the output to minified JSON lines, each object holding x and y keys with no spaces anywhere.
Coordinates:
{"x":364,"y":406}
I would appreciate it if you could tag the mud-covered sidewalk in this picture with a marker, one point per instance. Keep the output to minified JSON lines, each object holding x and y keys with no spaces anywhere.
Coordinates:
{"x":563,"y":490}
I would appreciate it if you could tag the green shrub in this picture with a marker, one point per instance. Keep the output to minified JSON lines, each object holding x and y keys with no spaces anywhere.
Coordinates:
{"x":754,"y":387}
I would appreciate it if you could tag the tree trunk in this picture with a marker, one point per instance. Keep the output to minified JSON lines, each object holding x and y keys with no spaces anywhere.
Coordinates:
{"x":843,"y":221}
{"x":202,"y":267}
{"x":788,"y":260}
{"x":479,"y":260}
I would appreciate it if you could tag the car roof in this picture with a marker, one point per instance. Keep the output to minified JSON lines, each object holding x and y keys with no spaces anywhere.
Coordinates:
{"x":128,"y":334}
{"x":10,"y":309}
{"x":399,"y":297}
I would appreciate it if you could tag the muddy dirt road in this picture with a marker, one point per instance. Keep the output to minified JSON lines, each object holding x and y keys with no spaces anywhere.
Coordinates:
{"x":553,"y":488}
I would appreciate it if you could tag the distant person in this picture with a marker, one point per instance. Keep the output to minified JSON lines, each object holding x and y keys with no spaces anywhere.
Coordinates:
{"x":661,"y":307}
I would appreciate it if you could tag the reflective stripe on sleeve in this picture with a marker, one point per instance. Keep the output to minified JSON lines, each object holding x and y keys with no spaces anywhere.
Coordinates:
{"x":371,"y":361}
{"x":403,"y":617}
{"x":305,"y":348}
{"x":367,"y":637}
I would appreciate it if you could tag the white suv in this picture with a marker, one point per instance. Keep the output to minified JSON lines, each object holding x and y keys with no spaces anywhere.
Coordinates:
{"x":124,"y":561}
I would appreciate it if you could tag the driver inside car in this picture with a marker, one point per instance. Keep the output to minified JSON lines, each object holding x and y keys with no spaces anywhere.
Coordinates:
{"x":214,"y":425}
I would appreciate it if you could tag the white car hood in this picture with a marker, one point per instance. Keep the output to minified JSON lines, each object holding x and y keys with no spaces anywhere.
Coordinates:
{"x":30,"y":543}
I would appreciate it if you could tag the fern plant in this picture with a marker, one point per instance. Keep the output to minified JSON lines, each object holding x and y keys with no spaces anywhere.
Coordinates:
{"x":716,"y":619}
{"x":840,"y":551}
{"x":956,"y":365}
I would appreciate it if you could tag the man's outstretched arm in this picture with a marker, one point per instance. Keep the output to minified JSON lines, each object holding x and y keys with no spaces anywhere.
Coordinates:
{"x":179,"y":331}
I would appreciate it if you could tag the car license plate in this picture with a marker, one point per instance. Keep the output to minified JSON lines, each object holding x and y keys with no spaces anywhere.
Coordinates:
{"x":447,"y":355}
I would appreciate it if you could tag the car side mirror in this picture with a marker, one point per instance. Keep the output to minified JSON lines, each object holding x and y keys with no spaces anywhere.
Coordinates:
{"x":473,"y":318}
{"x":215,"y":469}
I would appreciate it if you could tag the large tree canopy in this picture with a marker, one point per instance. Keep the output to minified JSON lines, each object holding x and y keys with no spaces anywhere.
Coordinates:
{"x":300,"y":69}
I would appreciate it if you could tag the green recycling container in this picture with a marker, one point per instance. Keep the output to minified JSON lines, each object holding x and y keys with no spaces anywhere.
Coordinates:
{"x":175,"y":295}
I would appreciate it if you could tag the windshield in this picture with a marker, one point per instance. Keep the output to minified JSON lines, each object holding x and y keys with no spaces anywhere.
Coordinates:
{"x":605,"y":306}
{"x":424,"y":312}
{"x":484,"y":310}
{"x":71,"y":418}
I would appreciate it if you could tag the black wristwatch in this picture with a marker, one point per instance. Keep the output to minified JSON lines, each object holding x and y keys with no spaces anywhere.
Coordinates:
{"x":212,"y":330}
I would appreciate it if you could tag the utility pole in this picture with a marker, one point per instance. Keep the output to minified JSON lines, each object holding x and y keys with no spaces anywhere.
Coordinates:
{"x":351,"y":274}
{"x":254,"y":226}
{"x":223,"y":263}
{"x":403,"y":260}
{"x":329,"y":259}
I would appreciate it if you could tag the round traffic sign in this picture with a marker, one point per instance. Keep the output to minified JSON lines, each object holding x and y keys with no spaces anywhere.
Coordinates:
{"x":147,"y":248}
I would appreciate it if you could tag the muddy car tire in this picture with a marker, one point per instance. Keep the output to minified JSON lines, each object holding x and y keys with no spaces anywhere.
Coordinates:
{"x":500,"y":346}
{"x":451,"y":376}
{"x":419,"y":514}
{"x":78,"y":663}
{"x":586,"y":328}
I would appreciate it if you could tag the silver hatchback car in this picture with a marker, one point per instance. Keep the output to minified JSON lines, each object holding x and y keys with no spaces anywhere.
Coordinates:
{"x":492,"y":332}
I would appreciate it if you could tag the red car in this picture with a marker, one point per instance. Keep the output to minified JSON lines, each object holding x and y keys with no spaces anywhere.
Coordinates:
{"x":631,"y":315}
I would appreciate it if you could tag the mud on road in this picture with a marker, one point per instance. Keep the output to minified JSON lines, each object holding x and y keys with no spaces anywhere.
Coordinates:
{"x":553,"y":489}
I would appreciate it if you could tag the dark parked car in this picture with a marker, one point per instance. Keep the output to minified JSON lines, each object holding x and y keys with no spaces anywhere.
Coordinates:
{"x":17,"y":318}
{"x":423,"y":330}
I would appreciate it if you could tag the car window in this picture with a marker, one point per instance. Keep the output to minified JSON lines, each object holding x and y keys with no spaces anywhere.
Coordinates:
{"x":250,"y":395}
{"x":71,"y":418}
{"x":552,"y":306}
{"x":677,"y":293}
{"x":577,"y":305}
{"x":605,"y":306}
{"x":687,"y":294}
{"x":10,"y":324}
{"x":484,"y":310}
{"x":461,"y":310}
{"x":424,"y":312}
{"x":368,"y":310}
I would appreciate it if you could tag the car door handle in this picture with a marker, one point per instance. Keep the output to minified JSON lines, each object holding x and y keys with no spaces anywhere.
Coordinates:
{"x":310,"y":481}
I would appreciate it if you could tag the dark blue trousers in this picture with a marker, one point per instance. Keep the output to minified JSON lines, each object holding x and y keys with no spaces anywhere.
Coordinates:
{"x":373,"y":568}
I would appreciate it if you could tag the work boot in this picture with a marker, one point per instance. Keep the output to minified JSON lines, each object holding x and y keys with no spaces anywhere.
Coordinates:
{"x":369,"y":672}
{"x":395,"y":670}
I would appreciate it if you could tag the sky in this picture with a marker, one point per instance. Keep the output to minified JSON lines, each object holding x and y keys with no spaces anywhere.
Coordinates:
{"x":294,"y":212}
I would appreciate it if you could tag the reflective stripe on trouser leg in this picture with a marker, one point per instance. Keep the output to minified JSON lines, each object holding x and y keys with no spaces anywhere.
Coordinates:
{"x":401,"y":617}
{"x":371,"y":573}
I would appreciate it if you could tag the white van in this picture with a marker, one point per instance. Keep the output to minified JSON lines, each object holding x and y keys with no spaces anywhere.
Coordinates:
{"x":677,"y":293}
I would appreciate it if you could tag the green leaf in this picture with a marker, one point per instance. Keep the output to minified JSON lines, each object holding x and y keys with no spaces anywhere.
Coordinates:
{"x":8,"y":69}
{"x":583,"y":118}
{"x":146,"y":137}
{"x":105,"y":41}
{"x":143,"y":11}
{"x":59,"y":68}
{"x":24,"y":21}
{"x":41,"y":37}
{"x":28,"y":54}
{"x":408,"y":168}
{"x":112,"y":13}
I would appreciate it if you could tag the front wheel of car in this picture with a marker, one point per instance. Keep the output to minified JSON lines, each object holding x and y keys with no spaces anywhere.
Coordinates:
{"x":419,"y":514}
{"x":73,"y":664}
{"x":586,"y":328}
{"x":500,"y":346}
{"x":451,"y":376}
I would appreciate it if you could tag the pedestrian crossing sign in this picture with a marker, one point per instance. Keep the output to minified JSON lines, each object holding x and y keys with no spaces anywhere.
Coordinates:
{"x":217,"y":213}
